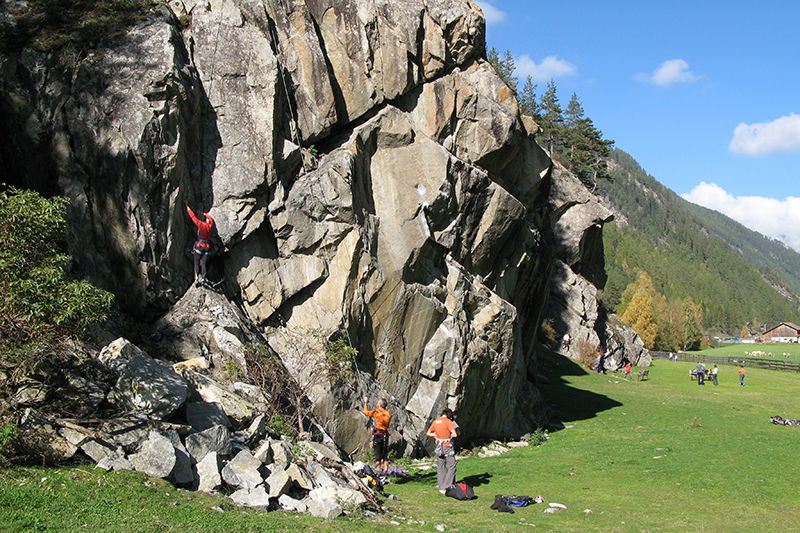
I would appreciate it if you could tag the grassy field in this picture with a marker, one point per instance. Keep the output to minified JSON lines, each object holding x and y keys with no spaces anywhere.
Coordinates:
{"x":658,"y":455}
{"x":770,"y":351}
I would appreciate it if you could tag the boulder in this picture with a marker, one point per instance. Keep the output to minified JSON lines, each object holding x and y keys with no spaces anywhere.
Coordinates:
{"x":263,"y":452}
{"x":29,"y":392}
{"x":120,"y":349}
{"x":236,"y":407}
{"x":243,"y":471}
{"x":208,"y":476}
{"x":99,"y":450}
{"x":278,"y":482}
{"x":147,"y":387}
{"x":255,"y":497}
{"x":327,"y":509}
{"x":256,"y":431}
{"x":128,"y":431}
{"x":291,"y":504}
{"x":281,"y":452}
{"x":203,"y":415}
{"x":206,"y":324}
{"x":321,"y":477}
{"x":215,"y":439}
{"x":344,"y":495}
{"x":299,"y":476}
{"x":156,"y":458}
{"x":114,"y":463}
{"x":182,"y":473}
{"x":317,"y":450}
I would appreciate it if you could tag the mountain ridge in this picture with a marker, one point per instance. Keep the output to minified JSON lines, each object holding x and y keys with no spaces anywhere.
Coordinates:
{"x":738,"y":275}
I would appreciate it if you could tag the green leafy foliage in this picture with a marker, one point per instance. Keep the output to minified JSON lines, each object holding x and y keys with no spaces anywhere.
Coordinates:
{"x":340,"y":357}
{"x":39,"y":301}
{"x":537,"y":437}
{"x":9,"y":433}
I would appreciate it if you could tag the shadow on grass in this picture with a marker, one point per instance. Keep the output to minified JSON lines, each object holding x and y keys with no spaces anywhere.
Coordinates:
{"x":477,"y":480}
{"x":419,"y":476}
{"x":568,"y":403}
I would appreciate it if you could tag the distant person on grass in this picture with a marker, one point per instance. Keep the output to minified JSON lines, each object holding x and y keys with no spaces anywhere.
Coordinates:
{"x":701,"y":374}
{"x":380,"y":433}
{"x":627,"y":369}
{"x":741,"y":375}
{"x":714,"y":375}
{"x":444,"y":430}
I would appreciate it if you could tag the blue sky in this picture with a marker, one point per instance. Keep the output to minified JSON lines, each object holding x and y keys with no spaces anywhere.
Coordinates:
{"x":705,"y":95}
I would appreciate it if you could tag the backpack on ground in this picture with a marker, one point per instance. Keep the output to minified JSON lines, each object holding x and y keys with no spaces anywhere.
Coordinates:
{"x":460,"y":491}
{"x":519,"y":501}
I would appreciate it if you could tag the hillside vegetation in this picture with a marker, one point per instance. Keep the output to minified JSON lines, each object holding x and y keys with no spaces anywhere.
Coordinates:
{"x":691,"y":252}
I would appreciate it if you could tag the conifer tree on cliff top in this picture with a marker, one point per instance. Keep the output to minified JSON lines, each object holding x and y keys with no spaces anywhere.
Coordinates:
{"x":569,"y":136}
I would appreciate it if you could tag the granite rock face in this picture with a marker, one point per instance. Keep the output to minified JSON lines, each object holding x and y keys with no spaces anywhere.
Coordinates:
{"x":371,"y":179}
{"x":578,"y":275}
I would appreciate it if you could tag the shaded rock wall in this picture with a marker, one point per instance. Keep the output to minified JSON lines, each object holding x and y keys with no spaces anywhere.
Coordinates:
{"x":574,"y":305}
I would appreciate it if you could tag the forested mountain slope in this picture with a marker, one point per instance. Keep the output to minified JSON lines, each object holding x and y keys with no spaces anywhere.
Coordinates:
{"x":737,"y":275}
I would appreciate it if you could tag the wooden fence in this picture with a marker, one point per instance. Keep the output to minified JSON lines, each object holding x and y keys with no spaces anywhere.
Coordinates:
{"x":769,"y":364}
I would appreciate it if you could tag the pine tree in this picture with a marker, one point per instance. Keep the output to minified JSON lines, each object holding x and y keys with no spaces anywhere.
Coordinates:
{"x":587,"y":150}
{"x":527,"y":99}
{"x":504,"y":66}
{"x":552,"y":119}
{"x":693,"y":320}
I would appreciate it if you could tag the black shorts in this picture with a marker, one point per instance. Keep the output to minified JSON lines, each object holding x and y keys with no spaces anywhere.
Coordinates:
{"x":380,"y":443}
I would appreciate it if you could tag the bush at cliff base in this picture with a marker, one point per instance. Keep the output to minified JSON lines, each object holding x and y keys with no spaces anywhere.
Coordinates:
{"x":39,"y":302}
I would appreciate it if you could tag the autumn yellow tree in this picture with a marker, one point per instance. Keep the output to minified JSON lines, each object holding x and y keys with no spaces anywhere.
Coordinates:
{"x":745,"y":332}
{"x":640,"y":315}
{"x":693,"y":323}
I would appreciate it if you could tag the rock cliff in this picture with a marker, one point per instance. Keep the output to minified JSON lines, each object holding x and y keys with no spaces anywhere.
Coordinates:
{"x":370,"y":176}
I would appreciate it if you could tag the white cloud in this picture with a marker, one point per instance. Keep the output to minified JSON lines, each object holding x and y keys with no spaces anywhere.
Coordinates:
{"x":780,"y":136}
{"x":491,"y":13}
{"x":670,"y":72}
{"x":779,"y":219}
{"x":550,"y":68}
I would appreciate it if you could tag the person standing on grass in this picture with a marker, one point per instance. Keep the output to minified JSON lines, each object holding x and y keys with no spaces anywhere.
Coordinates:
{"x":444,"y":430}
{"x":380,"y":433}
{"x":741,"y":375}
{"x":714,"y":375}
{"x":701,"y":374}
{"x":628,"y":369}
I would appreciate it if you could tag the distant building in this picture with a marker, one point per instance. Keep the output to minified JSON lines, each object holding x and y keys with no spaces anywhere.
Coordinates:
{"x":783,"y":332}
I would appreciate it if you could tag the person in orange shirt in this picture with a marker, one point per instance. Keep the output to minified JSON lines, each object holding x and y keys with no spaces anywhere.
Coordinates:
{"x":380,"y":433}
{"x":444,"y":430}
{"x":741,"y":375}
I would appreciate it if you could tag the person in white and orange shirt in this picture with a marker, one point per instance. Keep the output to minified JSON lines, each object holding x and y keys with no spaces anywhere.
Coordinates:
{"x":444,"y":430}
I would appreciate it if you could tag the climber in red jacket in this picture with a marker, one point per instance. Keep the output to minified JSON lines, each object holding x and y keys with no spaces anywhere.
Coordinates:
{"x":202,"y":247}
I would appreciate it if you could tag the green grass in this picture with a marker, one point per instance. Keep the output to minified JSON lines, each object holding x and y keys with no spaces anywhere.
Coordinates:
{"x":772,"y":351}
{"x":658,"y":455}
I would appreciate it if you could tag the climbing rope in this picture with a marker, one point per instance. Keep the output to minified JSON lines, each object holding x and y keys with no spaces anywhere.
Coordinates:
{"x":216,"y":45}
{"x":274,"y":39}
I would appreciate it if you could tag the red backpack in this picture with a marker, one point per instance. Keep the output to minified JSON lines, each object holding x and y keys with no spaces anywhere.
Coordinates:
{"x":460,"y":491}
